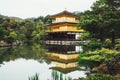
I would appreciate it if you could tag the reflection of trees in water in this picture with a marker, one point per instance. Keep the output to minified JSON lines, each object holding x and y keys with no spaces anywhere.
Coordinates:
{"x":35,"y":52}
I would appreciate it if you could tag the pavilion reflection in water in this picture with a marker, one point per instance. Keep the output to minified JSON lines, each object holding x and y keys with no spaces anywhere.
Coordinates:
{"x":65,"y":58}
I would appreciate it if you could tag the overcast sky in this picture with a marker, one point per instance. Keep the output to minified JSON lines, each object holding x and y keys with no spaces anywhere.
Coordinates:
{"x":35,"y":8}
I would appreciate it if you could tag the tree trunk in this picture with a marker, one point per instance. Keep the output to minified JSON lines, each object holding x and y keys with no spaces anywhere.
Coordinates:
{"x":102,"y":39}
{"x":113,"y":39}
{"x":102,"y":36}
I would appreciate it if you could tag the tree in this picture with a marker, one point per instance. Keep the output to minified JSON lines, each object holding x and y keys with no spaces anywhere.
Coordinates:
{"x":105,"y":56}
{"x":12,"y":37}
{"x":103,"y":21}
{"x":38,"y":33}
{"x":99,"y":77}
{"x":18,"y":30}
{"x":2,"y":33}
{"x":29,"y":28}
{"x":46,"y":20}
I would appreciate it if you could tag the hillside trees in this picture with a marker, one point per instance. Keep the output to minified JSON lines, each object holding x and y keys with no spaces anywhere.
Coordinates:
{"x":14,"y":30}
{"x":8,"y":30}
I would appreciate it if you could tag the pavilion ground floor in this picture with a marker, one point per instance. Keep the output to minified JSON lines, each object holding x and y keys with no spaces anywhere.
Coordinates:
{"x":64,"y":38}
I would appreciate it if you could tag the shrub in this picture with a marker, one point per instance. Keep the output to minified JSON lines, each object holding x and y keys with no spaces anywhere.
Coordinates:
{"x":99,"y":77}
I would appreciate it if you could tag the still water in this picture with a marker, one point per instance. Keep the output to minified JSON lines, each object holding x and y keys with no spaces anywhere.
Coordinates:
{"x":22,"y":62}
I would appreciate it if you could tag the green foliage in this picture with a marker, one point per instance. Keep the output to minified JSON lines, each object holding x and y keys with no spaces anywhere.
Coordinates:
{"x":118,"y":77}
{"x":99,"y":77}
{"x":27,"y":52}
{"x":86,"y":62}
{"x":38,"y":33}
{"x":117,"y":46}
{"x":55,"y":75}
{"x":17,"y":30}
{"x":110,"y":58}
{"x":69,"y":78}
{"x":103,"y":55}
{"x":96,"y":44}
{"x":35,"y":77}
{"x":13,"y":35}
{"x":10,"y":30}
{"x":44,"y":20}
{"x":2,"y":33}
{"x":59,"y":76}
{"x":85,"y":36}
{"x":102,"y":22}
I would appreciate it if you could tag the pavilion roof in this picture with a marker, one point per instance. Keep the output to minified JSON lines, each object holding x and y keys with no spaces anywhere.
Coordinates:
{"x":64,"y":13}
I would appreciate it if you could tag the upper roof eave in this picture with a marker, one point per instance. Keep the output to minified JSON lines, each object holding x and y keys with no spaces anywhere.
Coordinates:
{"x":64,"y":12}
{"x":60,"y":23}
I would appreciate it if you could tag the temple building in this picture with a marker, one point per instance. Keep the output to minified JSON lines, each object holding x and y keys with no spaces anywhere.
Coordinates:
{"x":63,"y":27}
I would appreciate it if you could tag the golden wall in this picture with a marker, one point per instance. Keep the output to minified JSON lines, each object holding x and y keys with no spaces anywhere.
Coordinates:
{"x":65,"y":19}
{"x":64,"y":28}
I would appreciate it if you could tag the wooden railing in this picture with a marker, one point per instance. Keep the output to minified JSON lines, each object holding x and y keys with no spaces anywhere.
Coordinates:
{"x":63,"y":42}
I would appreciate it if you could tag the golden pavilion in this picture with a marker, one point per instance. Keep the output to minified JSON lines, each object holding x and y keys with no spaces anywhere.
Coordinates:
{"x":63,"y":27}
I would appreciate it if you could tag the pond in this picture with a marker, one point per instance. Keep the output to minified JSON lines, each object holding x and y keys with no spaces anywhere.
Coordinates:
{"x":22,"y":62}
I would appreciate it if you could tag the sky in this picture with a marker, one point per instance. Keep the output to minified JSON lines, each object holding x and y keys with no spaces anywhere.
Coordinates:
{"x":35,"y":8}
